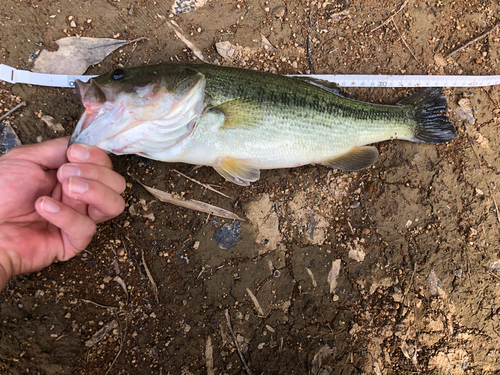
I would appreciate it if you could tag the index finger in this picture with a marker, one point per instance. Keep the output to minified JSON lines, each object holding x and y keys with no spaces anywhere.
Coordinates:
{"x":49,"y":154}
{"x":82,"y":153}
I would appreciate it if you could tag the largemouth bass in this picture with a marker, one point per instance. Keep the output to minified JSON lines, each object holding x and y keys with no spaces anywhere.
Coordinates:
{"x":241,"y":121}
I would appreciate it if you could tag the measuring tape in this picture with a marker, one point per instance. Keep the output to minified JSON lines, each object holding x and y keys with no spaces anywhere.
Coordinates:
{"x":13,"y":75}
{"x":360,"y":80}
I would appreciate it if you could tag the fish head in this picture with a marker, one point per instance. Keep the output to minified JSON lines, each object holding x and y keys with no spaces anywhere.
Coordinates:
{"x":139,"y":110}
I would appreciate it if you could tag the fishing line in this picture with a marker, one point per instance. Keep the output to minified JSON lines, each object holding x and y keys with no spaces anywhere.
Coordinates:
{"x":13,"y":75}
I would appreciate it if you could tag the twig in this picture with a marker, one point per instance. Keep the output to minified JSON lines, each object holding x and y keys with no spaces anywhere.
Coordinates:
{"x":98,"y":304}
{"x":255,"y":302}
{"x":150,"y":277}
{"x":182,"y":36}
{"x":483,"y":35}
{"x":471,"y":144}
{"x":495,"y":202}
{"x":22,"y":104}
{"x":391,"y":17}
{"x":311,"y":67}
{"x":133,"y":49}
{"x":350,"y":226}
{"x":409,"y":287}
{"x":123,"y":333}
{"x":406,"y":44}
{"x":414,"y":359}
{"x":492,"y":274}
{"x":228,"y":320}
{"x":202,"y":184}
{"x":120,"y":282}
{"x":209,"y":357}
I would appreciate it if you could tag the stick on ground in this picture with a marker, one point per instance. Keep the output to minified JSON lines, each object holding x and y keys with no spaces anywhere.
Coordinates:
{"x":228,"y":320}
{"x":391,"y":17}
{"x":150,"y":277}
{"x":311,"y":67}
{"x":406,"y":44}
{"x":474,"y":40}
{"x":201,"y":183}
{"x":22,"y":104}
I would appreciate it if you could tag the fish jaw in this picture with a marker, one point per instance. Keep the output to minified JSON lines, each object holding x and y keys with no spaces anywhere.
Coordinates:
{"x":146,"y":120}
{"x":100,"y":127}
{"x":99,"y":107}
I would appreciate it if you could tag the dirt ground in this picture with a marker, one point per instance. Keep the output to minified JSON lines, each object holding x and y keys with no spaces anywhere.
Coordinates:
{"x":392,"y":270}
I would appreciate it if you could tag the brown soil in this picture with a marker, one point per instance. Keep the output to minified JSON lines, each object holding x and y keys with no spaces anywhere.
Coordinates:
{"x":417,"y":235}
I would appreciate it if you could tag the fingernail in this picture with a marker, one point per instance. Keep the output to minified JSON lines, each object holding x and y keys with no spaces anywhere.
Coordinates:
{"x":77,"y":186}
{"x":80,"y":152}
{"x":49,"y":205}
{"x":69,"y":170}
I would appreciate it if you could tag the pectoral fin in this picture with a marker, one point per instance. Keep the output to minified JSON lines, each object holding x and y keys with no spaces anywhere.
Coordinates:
{"x":238,"y":171}
{"x":240,"y":113}
{"x":356,"y":159}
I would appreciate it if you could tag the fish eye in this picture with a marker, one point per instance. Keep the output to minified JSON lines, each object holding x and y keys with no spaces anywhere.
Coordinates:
{"x":117,"y":74}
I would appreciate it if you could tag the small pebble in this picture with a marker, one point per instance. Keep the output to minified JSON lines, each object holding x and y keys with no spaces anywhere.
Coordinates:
{"x":120,"y":251}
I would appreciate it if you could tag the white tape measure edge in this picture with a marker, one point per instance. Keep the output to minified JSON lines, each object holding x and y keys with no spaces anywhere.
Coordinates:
{"x":13,"y":75}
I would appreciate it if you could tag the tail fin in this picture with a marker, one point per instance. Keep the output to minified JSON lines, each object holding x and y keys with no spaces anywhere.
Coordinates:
{"x":430,"y":112}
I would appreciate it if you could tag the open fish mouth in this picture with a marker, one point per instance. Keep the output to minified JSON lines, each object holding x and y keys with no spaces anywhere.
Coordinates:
{"x":101,"y":112}
{"x":140,"y":118}
{"x":92,"y":98}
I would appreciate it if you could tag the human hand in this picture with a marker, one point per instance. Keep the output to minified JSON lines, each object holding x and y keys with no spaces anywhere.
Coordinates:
{"x":50,"y":207}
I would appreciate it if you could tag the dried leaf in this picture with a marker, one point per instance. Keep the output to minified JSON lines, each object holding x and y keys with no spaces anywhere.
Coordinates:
{"x":51,"y":123}
{"x":116,"y":265}
{"x":357,"y":254}
{"x":440,"y":60}
{"x":311,"y":275}
{"x":336,"y":17}
{"x":325,"y":351}
{"x":209,"y":356}
{"x":191,"y":204}
{"x":225,"y":49}
{"x":99,"y":335}
{"x":465,"y":112}
{"x":255,"y":302}
{"x":433,"y":282}
{"x":409,"y":352}
{"x":333,"y":274}
{"x":265,"y":42}
{"x":120,"y":281}
{"x":75,"y":54}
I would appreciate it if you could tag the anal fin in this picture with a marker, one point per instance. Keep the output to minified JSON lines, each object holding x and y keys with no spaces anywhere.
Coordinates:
{"x":356,"y":159}
{"x":238,"y":171}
